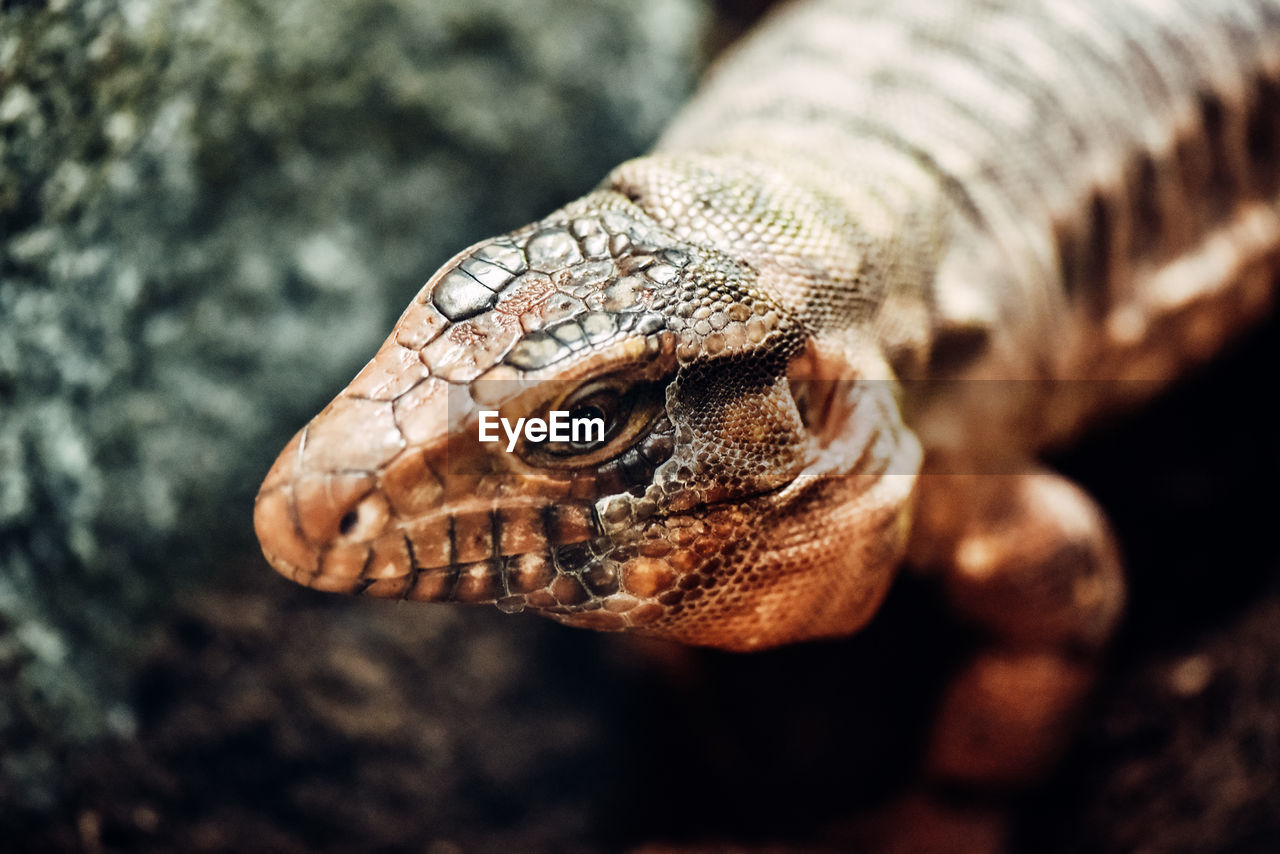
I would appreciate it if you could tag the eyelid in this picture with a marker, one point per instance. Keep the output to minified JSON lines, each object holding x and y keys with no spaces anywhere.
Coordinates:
{"x":586,"y":390}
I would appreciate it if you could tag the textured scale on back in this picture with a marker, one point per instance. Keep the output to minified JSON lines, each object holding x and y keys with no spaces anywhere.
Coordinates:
{"x":781,"y":316}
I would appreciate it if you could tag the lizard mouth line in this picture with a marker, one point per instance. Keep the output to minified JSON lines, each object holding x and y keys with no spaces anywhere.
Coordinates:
{"x":561,"y":527}
{"x":460,"y":560}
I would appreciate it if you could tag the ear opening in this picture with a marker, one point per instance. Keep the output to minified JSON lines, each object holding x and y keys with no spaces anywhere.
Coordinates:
{"x":818,"y":385}
{"x":814,"y":399}
{"x":826,"y":383}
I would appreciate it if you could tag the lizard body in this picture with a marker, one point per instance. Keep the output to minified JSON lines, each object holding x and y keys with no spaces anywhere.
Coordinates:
{"x":1001,"y":219}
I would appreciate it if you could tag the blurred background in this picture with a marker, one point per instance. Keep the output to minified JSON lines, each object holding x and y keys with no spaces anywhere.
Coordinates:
{"x":211,"y":211}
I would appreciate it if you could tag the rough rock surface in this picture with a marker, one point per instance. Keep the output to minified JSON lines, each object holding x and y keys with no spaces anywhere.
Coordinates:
{"x":210,"y":212}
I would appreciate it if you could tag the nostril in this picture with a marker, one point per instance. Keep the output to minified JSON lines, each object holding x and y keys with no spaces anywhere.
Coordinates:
{"x":328,"y":506}
{"x":364,"y":520}
{"x":347,"y":523}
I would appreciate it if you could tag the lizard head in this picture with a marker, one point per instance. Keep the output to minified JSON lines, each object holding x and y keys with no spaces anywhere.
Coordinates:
{"x":596,"y":420}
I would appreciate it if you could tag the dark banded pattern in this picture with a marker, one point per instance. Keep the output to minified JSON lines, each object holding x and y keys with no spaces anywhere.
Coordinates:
{"x":1084,"y":143}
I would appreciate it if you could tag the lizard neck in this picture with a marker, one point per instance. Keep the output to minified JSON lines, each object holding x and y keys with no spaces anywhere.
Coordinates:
{"x":853,"y":257}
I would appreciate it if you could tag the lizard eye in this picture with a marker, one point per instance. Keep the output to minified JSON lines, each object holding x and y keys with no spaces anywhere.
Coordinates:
{"x":606,"y":417}
{"x":596,"y":404}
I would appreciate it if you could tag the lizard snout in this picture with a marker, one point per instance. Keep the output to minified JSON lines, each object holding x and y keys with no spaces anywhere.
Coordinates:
{"x":320,"y":514}
{"x":313,"y":524}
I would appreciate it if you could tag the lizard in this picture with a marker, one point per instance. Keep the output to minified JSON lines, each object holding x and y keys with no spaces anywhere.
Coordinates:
{"x":887,"y":257}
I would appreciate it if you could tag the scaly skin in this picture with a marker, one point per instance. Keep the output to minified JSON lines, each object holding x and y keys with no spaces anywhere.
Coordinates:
{"x":868,"y":206}
{"x":655,"y":530}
